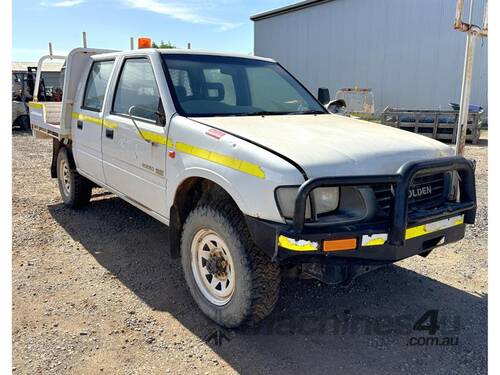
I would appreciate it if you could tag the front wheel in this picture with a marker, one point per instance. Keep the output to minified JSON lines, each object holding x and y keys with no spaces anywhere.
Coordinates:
{"x":230,"y":279}
{"x":74,"y":188}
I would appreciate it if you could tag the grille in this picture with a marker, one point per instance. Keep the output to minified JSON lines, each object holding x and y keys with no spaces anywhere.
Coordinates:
{"x":428,"y":192}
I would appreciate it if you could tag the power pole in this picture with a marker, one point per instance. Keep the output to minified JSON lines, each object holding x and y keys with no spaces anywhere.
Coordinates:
{"x":472,"y":31}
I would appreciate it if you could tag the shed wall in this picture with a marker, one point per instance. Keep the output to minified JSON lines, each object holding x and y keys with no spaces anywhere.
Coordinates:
{"x":405,"y":50}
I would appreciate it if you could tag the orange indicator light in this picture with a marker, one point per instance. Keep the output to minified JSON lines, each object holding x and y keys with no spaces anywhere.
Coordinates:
{"x":340,"y":245}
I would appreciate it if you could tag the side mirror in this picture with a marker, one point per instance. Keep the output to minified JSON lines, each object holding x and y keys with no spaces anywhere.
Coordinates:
{"x":323,"y":95}
{"x":337,"y":106}
{"x":160,"y":118}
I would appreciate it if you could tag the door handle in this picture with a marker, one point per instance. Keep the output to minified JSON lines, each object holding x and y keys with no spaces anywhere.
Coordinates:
{"x":79,"y":124}
{"x":109,"y":133}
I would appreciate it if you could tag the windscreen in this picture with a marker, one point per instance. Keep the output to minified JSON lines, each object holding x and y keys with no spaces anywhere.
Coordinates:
{"x":204,"y":85}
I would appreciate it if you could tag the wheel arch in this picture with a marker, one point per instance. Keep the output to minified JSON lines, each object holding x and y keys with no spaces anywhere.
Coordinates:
{"x":187,"y":195}
{"x":57,"y":145}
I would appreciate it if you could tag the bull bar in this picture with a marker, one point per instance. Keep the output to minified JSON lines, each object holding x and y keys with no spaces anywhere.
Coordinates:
{"x":402,"y":181}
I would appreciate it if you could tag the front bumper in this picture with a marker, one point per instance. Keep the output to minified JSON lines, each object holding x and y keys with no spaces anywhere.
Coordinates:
{"x":401,"y":236}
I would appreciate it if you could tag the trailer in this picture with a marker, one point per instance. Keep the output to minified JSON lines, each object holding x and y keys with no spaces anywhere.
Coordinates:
{"x":436,"y":124}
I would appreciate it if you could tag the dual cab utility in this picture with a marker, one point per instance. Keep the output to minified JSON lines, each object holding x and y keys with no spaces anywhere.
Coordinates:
{"x":250,"y":172}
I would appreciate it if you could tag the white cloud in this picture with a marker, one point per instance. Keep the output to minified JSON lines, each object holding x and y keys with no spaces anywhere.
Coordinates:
{"x":63,"y":3}
{"x":187,"y":11}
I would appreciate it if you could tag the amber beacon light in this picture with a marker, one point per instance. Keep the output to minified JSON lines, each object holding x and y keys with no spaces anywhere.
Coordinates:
{"x":144,"y":43}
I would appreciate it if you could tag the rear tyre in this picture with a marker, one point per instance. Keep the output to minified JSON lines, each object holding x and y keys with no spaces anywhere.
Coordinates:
{"x":230,"y":279}
{"x":74,"y":188}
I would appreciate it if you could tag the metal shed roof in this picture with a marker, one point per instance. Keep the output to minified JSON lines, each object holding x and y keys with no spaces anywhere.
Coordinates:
{"x":288,"y":9}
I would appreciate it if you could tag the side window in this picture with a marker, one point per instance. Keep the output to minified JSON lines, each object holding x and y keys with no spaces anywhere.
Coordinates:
{"x":220,"y":86}
{"x":96,"y":85}
{"x":137,"y":87}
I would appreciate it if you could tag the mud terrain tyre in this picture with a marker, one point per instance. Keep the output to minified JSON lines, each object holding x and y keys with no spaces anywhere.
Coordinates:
{"x":230,"y":279}
{"x":74,"y":188}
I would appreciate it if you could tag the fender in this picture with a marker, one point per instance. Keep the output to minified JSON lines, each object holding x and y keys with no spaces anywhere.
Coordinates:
{"x":208,"y":175}
{"x":175,"y":217}
{"x":274,"y":152}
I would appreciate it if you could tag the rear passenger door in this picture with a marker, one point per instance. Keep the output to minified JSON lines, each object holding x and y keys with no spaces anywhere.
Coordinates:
{"x":133,"y":165}
{"x":87,"y":120}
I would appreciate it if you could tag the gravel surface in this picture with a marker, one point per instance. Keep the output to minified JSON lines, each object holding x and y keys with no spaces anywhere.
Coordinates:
{"x":95,"y":291}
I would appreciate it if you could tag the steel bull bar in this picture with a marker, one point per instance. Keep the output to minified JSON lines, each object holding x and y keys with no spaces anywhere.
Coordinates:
{"x":402,"y":181}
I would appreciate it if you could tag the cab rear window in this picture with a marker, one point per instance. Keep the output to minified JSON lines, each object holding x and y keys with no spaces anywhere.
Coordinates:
{"x":97,"y":82}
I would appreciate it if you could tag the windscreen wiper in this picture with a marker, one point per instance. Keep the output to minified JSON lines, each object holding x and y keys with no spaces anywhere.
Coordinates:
{"x":271,"y":113}
{"x":260,"y":113}
{"x":307,"y":112}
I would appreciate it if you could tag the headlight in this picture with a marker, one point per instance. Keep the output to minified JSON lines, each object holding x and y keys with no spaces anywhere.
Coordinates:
{"x":285,"y":197}
{"x":325,"y":200}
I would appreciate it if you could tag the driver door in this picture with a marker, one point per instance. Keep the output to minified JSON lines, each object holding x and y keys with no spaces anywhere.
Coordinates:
{"x":134,"y":164}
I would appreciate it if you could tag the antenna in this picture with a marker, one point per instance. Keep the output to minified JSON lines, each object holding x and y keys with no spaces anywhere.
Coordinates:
{"x":84,"y":36}
{"x":189,"y":45}
{"x":50,"y":49}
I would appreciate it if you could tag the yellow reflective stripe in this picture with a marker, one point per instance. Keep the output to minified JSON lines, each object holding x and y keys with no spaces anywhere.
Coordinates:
{"x":80,"y":116}
{"x":296,"y":245}
{"x":376,"y":239}
{"x":154,"y":137}
{"x":415,"y":232}
{"x":375,"y":242}
{"x":110,"y":124}
{"x":225,"y":160}
{"x":95,"y":120}
{"x":215,"y":157}
{"x":35,"y":105}
{"x":421,"y":230}
{"x":150,"y":136}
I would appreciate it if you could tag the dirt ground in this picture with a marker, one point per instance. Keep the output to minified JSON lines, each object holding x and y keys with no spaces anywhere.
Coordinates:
{"x":95,"y":291}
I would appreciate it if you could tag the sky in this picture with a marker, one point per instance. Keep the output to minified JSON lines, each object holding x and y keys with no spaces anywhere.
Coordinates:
{"x":217,"y":25}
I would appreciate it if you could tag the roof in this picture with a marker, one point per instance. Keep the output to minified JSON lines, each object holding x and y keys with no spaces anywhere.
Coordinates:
{"x":195,"y":52}
{"x":174,"y":51}
{"x":22,"y":66}
{"x":288,"y":9}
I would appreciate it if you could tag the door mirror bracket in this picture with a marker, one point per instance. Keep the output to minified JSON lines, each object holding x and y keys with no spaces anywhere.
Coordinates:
{"x":135,"y":124}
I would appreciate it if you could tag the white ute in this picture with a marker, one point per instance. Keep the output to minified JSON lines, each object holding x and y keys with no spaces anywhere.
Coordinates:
{"x":254,"y":177}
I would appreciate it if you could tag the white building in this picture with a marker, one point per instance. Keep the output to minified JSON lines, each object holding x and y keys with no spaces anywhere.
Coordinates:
{"x":405,"y":50}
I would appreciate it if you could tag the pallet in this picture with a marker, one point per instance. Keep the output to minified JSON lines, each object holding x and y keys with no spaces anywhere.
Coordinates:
{"x":440,"y":125}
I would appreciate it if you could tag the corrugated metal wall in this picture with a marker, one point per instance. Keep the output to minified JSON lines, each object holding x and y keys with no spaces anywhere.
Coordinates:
{"x":405,"y":50}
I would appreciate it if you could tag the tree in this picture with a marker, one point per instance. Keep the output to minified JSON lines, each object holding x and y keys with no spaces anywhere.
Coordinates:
{"x":163,"y":45}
